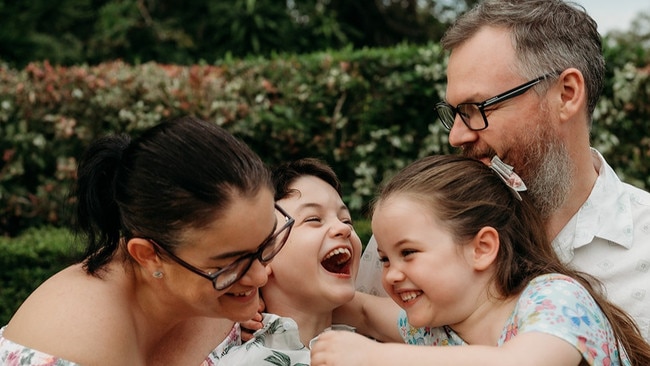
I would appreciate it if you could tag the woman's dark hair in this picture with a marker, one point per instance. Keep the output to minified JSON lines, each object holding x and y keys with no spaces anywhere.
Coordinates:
{"x":182,"y":173}
{"x":465,"y":195}
{"x":285,"y":174}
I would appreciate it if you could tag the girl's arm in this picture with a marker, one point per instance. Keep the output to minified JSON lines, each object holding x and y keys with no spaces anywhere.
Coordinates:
{"x":528,"y":349}
{"x":373,"y":316}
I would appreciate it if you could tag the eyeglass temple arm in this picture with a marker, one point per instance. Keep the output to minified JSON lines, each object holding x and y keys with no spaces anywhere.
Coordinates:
{"x":511,"y":93}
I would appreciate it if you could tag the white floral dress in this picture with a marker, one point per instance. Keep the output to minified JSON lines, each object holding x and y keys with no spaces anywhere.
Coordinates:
{"x":13,"y":354}
{"x":554,"y":304}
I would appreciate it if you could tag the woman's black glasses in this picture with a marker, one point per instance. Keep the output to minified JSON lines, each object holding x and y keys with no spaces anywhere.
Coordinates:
{"x":231,"y":273}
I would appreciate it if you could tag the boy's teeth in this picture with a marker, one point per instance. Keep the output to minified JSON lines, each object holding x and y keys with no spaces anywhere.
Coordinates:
{"x":338,"y":251}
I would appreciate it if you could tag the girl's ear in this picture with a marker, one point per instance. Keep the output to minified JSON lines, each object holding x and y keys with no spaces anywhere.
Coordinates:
{"x":485,"y":247}
{"x":143,"y":252}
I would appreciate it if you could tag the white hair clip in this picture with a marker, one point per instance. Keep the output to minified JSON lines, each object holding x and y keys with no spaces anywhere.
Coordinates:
{"x":506,"y":174}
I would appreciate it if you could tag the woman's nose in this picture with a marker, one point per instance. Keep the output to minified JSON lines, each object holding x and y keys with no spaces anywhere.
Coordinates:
{"x":256,"y":276}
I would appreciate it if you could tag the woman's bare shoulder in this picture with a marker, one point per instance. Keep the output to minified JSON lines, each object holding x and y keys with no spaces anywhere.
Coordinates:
{"x":74,"y":316}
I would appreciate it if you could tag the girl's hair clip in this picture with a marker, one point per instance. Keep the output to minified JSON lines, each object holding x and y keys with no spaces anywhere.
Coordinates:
{"x":505,"y":172}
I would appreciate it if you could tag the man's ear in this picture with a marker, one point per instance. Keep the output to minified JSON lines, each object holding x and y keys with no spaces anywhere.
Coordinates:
{"x":143,"y":252}
{"x":572,"y":92}
{"x":484,"y":248}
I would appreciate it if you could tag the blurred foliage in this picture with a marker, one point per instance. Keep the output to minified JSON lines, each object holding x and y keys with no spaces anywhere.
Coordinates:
{"x":367,"y":112}
{"x":364,"y":230}
{"x":622,"y":112}
{"x":67,"y":32}
{"x":631,"y":45}
{"x":28,"y":260}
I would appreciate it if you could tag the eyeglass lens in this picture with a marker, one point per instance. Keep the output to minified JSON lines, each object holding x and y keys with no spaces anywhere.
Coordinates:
{"x":469,"y":113}
{"x":446,"y":114}
{"x":473,"y":114}
{"x":266,"y":252}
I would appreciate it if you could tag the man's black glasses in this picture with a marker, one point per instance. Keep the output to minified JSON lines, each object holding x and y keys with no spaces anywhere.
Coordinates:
{"x":473,"y":114}
{"x":225,"y":277}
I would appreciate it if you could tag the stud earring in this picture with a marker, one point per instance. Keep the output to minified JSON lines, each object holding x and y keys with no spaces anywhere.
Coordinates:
{"x":158,"y":274}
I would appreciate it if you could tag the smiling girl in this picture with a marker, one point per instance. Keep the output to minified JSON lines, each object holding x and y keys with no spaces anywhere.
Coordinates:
{"x":467,"y":260}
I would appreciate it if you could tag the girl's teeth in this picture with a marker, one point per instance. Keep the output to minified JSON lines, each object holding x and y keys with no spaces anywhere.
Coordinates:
{"x":408,"y":296}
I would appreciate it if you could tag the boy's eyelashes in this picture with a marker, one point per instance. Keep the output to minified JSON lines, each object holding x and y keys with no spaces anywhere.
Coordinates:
{"x":347,"y":221}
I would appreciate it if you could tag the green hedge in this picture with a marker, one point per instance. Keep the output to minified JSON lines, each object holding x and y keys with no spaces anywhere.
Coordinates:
{"x":28,"y":260}
{"x":367,"y":112}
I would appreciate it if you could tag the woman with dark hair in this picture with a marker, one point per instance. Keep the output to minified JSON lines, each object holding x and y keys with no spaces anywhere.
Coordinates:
{"x":180,"y":223}
{"x":312,"y":275}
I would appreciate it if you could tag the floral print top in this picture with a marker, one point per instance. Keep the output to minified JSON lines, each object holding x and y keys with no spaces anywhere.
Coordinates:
{"x":553,"y":304}
{"x":233,"y":339}
{"x":13,"y":354}
{"x":277,"y":343}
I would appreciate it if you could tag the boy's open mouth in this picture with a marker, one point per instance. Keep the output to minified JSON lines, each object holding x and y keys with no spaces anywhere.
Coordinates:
{"x":338,"y":261}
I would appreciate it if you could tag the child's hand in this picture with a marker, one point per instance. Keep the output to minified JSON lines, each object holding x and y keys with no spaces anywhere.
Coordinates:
{"x":342,"y":348}
{"x":250,"y":326}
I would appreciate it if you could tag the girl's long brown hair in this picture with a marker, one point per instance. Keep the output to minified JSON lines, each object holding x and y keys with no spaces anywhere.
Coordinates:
{"x":465,"y":195}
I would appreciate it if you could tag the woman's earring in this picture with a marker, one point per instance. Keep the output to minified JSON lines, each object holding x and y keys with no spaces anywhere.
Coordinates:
{"x":158,"y":274}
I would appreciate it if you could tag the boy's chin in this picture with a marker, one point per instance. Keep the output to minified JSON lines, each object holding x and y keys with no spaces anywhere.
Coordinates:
{"x":345,"y":295}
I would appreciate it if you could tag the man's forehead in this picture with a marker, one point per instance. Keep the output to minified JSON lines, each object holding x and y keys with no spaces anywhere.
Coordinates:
{"x":488,"y":50}
{"x":480,"y":68}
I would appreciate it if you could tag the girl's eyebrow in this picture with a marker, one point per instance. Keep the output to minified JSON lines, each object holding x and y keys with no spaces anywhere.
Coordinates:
{"x":401,"y":242}
{"x":397,"y":244}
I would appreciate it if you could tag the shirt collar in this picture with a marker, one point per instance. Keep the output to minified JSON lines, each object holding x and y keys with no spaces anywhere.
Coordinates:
{"x":606,"y":214}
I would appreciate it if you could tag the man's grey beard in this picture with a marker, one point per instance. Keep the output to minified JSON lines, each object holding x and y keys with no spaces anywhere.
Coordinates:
{"x":542,"y":161}
{"x":548,"y":174}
